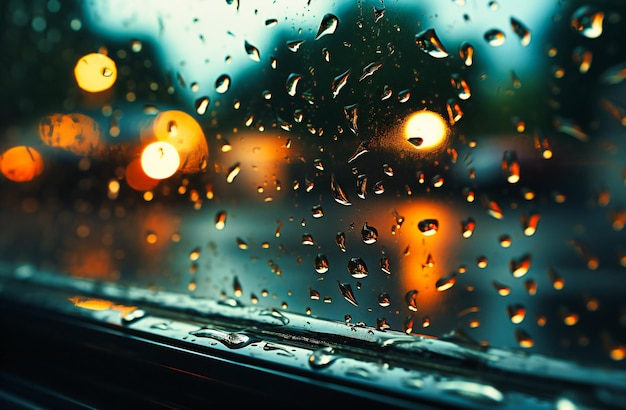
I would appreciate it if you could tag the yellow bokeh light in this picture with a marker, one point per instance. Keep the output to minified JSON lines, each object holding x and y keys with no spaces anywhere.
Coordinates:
{"x":160,"y":160}
{"x":426,"y":130}
{"x":21,"y":164}
{"x":95,"y":72}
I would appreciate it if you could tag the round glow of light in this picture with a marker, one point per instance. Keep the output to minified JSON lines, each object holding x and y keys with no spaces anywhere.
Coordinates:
{"x":426,"y":130}
{"x":160,"y":160}
{"x":21,"y":164}
{"x":95,"y":72}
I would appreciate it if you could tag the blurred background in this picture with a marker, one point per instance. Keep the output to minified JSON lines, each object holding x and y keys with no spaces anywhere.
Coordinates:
{"x":451,"y":168}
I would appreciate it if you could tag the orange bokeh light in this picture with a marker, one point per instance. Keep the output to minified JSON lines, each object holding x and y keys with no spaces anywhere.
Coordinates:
{"x":160,"y":160}
{"x":21,"y":164}
{"x":76,"y":133}
{"x":137,"y":179}
{"x":184,"y":133}
{"x":95,"y":72}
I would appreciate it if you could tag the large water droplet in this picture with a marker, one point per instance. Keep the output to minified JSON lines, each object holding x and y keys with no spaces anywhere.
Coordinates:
{"x":411,"y":300}
{"x":587,"y":21}
{"x":369,"y":234}
{"x":471,"y":390}
{"x":292,"y":83}
{"x":519,"y":267}
{"x":201,"y":105}
{"x":495,"y":37}
{"x":252,"y":52}
{"x":429,"y":43}
{"x":339,"y":82}
{"x":428,"y":227}
{"x":327,"y":26}
{"x":338,"y":193}
{"x":521,"y":30}
{"x":222,"y":84}
{"x":357,"y":268}
{"x":321,"y":263}
{"x":323,"y":357}
{"x":516,"y":312}
{"x":235,"y":340}
{"x":370,"y":69}
{"x":446,"y":282}
{"x":346,"y":292}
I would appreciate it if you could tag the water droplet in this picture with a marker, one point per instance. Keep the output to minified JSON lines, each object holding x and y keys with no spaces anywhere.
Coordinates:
{"x":510,"y":167}
{"x":233,"y":172}
{"x":455,"y":113}
{"x":466,"y":52}
{"x":492,"y":208}
{"x":323,"y":357}
{"x":570,"y":128}
{"x":361,"y":186}
{"x":428,"y":227}
{"x":379,"y":188}
{"x":321,"y":263}
{"x":404,"y":96}
{"x":524,"y":339}
{"x":529,"y":223}
{"x":425,"y":321}
{"x":502,"y":290}
{"x":350,"y":111}
{"x":220,"y":220}
{"x":346,"y":292}
{"x":271,"y":22}
{"x":160,"y":326}
{"x":222,"y":84}
{"x":294,"y":45}
{"x":519,"y":267}
{"x":201,"y":105}
{"x":411,"y":300}
{"x":388,"y":170}
{"x":379,"y":13}
{"x":235,"y":340}
{"x":370,"y":69}
{"x":582,"y":58}
{"x":252,"y":52}
{"x":136,"y":46}
{"x":407,"y":325}
{"x":384,"y":264}
{"x":495,"y":38}
{"x":292,"y":84}
{"x":307,"y":239}
{"x":338,"y":193}
{"x":556,"y":279}
{"x":437,"y":181}
{"x":446,"y":282}
{"x":339,"y":82}
{"x":369,"y":234}
{"x":132,"y":315}
{"x":357,"y":268}
{"x":521,"y":30}
{"x":237,"y":287}
{"x":471,"y":390}
{"x":505,"y":241}
{"x":516,"y":312}
{"x":266,"y":94}
{"x":313,"y":294}
{"x":587,"y":21}
{"x":384,"y":300}
{"x":241,"y":244}
{"x":429,"y":43}
{"x":327,"y":26}
{"x":461,"y":87}
{"x":194,"y":255}
{"x":317,"y":211}
{"x":340,"y":240}
{"x":326,"y":54}
{"x":467,"y":227}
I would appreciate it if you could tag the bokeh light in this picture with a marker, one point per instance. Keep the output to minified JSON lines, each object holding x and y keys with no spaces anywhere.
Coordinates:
{"x":95,"y":72}
{"x":160,"y":160}
{"x":426,"y":130}
{"x":21,"y":164}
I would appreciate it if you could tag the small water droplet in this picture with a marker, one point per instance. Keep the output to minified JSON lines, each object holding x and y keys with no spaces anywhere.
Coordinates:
{"x":323,"y":357}
{"x":521,"y":30}
{"x":455,"y":113}
{"x":379,"y":188}
{"x":292,"y":84}
{"x":516,"y":312}
{"x":428,"y":227}
{"x":471,"y":390}
{"x":388,"y":170}
{"x":425,"y":322}
{"x":519,"y":267}
{"x":328,"y":26}
{"x":495,"y":37}
{"x":194,"y":255}
{"x":201,"y":105}
{"x":466,"y":52}
{"x":235,"y":340}
{"x":326,"y":54}
{"x":307,"y":239}
{"x":321,"y":263}
{"x":411,"y":300}
{"x":361,"y":186}
{"x":340,"y":240}
{"x":271,"y":22}
{"x":529,"y":223}
{"x":294,"y":45}
{"x":220,"y":220}
{"x":385,"y":265}
{"x":370,"y":69}
{"x":160,"y":326}
{"x":338,"y":193}
{"x":346,"y":291}
{"x":404,"y":96}
{"x":446,"y":282}
{"x":222,"y":84}
{"x":502,"y":290}
{"x":252,"y":52}
{"x":492,"y":208}
{"x":467,"y":227}
{"x":357,"y":268}
{"x":233,"y":172}
{"x":461,"y":87}
{"x":505,"y":241}
{"x":132,"y":315}
{"x":587,"y":21}
{"x":384,"y":300}
{"x":339,"y":82}
{"x":136,"y":46}
{"x":429,"y":43}
{"x":511,"y":167}
{"x":524,"y":339}
{"x":369,"y":234}
{"x":407,"y":325}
